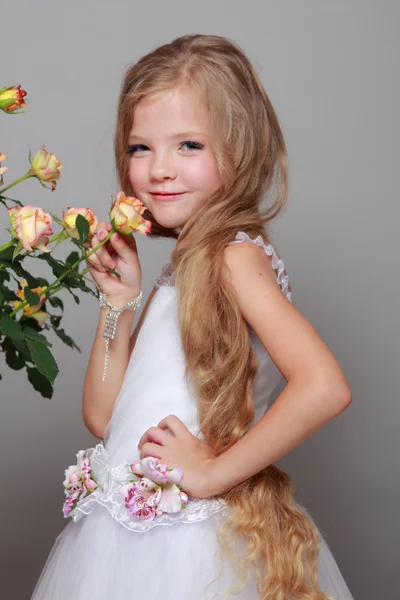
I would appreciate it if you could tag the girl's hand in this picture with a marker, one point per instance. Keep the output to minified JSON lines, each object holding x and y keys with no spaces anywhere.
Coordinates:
{"x":175,"y":446}
{"x":118,"y":253}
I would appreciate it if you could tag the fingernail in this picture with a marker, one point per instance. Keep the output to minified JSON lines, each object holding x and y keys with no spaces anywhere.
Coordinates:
{"x":117,"y":237}
{"x":102,"y":235}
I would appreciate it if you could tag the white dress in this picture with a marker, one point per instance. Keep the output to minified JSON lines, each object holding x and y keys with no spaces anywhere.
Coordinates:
{"x":106,"y":554}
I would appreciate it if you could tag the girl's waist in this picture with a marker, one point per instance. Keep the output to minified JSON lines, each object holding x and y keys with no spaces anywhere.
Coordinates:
{"x":133,"y":500}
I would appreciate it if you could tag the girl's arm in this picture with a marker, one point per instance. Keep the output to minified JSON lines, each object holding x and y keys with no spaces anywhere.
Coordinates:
{"x":99,"y":396}
{"x":316,"y":391}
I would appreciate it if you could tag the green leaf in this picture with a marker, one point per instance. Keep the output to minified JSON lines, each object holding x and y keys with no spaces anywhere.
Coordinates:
{"x":19,"y":270}
{"x":11,"y":327}
{"x":82,"y":226}
{"x":41,"y":281}
{"x":55,"y":320}
{"x":72,"y":258}
{"x":10,"y":344}
{"x":32,"y":334}
{"x":9,"y":294}
{"x":39,"y":382}
{"x":13,"y":360}
{"x":7,"y":254}
{"x":31,"y":297}
{"x":66,"y":339}
{"x":56,"y":302}
{"x":42,"y":359}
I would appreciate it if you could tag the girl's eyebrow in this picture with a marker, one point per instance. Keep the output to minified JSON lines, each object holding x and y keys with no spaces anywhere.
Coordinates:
{"x":183,"y":134}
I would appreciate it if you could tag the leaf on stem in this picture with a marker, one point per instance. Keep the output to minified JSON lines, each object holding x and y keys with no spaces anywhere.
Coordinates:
{"x":31,"y":297}
{"x":56,"y":302}
{"x":11,"y":328}
{"x":42,"y":359}
{"x":83,"y":227}
{"x":39,"y":382}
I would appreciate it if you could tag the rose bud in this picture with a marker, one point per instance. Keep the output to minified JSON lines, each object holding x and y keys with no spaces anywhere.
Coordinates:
{"x":69,"y":221}
{"x":12,"y":98}
{"x":126,"y":215}
{"x":31,"y":226}
{"x":46,"y":167}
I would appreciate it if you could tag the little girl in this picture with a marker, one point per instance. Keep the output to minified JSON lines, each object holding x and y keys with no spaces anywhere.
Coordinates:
{"x":199,"y":145}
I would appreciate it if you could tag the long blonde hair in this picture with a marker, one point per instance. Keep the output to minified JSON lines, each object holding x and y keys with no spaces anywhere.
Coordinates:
{"x":250,"y":151}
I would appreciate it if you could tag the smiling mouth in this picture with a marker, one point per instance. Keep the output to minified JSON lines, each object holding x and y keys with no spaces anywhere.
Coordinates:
{"x":165,"y":196}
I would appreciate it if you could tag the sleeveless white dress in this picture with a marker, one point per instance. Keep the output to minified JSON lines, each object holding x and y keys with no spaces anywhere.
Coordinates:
{"x":106,"y":554}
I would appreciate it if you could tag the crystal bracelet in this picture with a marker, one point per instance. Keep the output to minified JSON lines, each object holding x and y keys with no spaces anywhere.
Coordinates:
{"x":111,"y":321}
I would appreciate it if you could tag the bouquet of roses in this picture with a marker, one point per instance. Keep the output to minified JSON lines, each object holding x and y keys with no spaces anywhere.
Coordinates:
{"x":31,"y":229}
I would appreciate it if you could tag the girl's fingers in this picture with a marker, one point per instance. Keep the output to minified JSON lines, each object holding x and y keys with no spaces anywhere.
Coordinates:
{"x":125,"y":252}
{"x":154,"y":434}
{"x":175,"y":425}
{"x":101,"y":256}
{"x":150,"y":449}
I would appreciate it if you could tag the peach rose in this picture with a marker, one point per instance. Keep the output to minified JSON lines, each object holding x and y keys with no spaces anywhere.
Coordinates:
{"x":69,"y":219}
{"x":31,"y":225}
{"x":126,"y":215}
{"x":46,"y":167}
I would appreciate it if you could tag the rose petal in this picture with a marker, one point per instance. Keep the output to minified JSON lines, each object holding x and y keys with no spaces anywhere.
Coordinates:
{"x":175,"y":476}
{"x":170,"y":501}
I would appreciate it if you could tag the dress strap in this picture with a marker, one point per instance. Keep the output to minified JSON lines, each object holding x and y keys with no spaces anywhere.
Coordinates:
{"x":277,"y":263}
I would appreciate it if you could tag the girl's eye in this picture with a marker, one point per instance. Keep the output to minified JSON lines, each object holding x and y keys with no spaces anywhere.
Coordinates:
{"x":193,"y":145}
{"x":136,"y":147}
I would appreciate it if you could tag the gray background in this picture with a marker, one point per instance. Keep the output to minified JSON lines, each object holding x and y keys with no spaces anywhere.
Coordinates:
{"x":331,"y":70}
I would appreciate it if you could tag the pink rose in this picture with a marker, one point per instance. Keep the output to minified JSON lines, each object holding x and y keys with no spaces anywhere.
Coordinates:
{"x":46,"y":167}
{"x":31,"y":226}
{"x":69,"y":219}
{"x":125,"y":215}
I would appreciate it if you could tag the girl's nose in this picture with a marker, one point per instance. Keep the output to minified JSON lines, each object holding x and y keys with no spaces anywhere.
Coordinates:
{"x":163,"y":167}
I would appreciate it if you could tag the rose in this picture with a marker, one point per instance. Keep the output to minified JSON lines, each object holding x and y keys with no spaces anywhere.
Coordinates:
{"x":46,"y":167}
{"x":154,"y":491}
{"x":31,"y":225}
{"x":78,"y":482}
{"x":32,"y":310}
{"x":12,"y":98}
{"x":69,"y":221}
{"x":125,"y":215}
{"x":151,"y":468}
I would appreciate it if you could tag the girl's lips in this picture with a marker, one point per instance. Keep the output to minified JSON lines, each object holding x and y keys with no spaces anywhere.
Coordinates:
{"x":166,"y":196}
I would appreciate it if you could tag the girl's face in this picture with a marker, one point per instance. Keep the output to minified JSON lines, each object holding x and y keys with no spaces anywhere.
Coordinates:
{"x":172,"y":169}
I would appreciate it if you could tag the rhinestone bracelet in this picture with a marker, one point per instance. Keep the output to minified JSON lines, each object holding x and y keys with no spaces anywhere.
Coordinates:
{"x":111,"y":321}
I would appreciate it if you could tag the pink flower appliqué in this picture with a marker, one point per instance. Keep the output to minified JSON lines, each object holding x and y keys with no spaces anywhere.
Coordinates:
{"x":78,"y":482}
{"x":153,"y":490}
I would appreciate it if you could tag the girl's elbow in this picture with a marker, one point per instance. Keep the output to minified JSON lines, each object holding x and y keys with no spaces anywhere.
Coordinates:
{"x":340,"y":398}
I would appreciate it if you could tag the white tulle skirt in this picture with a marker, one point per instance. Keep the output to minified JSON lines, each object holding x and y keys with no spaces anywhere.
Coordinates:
{"x":98,"y":558}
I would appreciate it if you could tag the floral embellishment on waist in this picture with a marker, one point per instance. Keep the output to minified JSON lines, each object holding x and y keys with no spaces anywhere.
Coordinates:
{"x":78,"y":482}
{"x":153,"y":489}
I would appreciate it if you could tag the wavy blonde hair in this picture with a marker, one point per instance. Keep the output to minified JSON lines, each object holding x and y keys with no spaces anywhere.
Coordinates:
{"x":281,"y":543}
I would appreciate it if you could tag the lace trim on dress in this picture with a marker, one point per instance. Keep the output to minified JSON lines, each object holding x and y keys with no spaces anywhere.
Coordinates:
{"x":108,"y":495}
{"x":277,"y":263}
{"x":167,"y":277}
